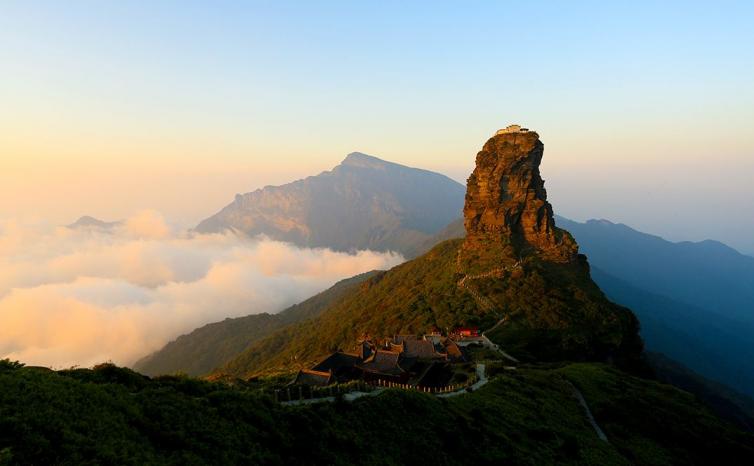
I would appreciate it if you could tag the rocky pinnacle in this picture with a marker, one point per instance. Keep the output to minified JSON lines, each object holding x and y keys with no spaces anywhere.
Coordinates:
{"x":506,"y":211}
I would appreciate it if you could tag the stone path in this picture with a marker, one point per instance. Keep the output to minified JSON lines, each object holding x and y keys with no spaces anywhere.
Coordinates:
{"x":355,"y":395}
{"x":577,"y":394}
{"x":486,"y":304}
{"x":482,"y":380}
{"x":309,"y":401}
{"x":489,"y":344}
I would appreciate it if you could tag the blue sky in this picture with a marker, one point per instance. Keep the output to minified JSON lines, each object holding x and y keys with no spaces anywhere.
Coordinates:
{"x":645,"y":107}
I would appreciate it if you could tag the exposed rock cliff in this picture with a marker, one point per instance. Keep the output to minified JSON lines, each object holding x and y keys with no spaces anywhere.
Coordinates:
{"x":519,"y":278}
{"x":506,"y":210}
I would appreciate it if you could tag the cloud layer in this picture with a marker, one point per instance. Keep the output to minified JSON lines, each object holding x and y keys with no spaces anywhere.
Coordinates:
{"x":80,"y":297}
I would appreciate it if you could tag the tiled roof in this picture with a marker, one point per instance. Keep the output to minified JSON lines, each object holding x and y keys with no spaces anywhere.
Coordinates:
{"x":311,"y":377}
{"x":366,"y":349}
{"x":385,"y":362}
{"x":337,"y":361}
{"x":421,"y":349}
{"x":400,"y":339}
{"x":453,"y":350}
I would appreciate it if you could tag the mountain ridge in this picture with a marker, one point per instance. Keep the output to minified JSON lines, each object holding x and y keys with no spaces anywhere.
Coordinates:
{"x":577,"y":395}
{"x":552,"y":308}
{"x":700,"y":271}
{"x":87,"y":221}
{"x":362,"y":203}
{"x":205,"y":348}
{"x":661,"y":308}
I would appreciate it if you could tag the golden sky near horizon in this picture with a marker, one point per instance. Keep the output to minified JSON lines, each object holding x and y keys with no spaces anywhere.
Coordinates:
{"x":117,"y":171}
{"x":111,"y":109}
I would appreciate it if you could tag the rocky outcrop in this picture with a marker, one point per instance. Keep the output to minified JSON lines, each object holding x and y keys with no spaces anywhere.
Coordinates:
{"x":506,"y":211}
{"x":516,"y":276}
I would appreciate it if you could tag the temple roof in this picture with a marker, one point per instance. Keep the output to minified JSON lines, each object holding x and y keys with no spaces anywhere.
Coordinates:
{"x":385,"y":362}
{"x":421,"y":349}
{"x":313,"y":378}
{"x":365,"y":349}
{"x":453,"y":350}
{"x":399,"y":339}
{"x":336,"y":361}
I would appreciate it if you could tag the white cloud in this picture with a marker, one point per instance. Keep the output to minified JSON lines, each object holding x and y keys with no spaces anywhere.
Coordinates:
{"x":80,"y":297}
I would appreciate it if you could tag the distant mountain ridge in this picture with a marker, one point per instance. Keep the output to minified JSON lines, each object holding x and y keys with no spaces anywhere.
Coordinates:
{"x":695,"y":301}
{"x":707,"y":274}
{"x":517,"y":276}
{"x":660,"y":281}
{"x":88,"y":222}
{"x":363,"y":203}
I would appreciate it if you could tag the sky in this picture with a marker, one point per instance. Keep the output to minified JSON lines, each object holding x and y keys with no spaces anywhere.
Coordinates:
{"x":111,"y":108}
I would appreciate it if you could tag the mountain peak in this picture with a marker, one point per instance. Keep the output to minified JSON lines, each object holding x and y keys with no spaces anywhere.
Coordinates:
{"x":363,"y":203}
{"x":88,"y":221}
{"x":506,"y":206}
{"x":359,"y":159}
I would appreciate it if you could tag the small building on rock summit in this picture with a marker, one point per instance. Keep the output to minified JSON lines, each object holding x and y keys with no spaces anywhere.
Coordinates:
{"x":512,"y":129}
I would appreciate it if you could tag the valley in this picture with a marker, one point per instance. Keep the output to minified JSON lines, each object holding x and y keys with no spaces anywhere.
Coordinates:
{"x":499,"y":343}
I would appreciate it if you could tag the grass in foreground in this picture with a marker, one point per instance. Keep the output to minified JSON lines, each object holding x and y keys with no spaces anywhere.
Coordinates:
{"x":113,"y":415}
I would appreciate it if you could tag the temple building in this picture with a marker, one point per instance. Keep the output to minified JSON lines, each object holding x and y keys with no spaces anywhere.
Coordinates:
{"x":512,"y":129}
{"x":313,"y":378}
{"x":401,"y":359}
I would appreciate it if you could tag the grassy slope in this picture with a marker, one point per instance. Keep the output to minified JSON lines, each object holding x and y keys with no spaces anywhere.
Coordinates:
{"x":557,"y":308}
{"x":660,"y":320}
{"x":652,"y":423}
{"x":212,"y":345}
{"x":409,"y":298}
{"x":112,"y":415}
{"x":556,"y":312}
{"x":726,"y":402}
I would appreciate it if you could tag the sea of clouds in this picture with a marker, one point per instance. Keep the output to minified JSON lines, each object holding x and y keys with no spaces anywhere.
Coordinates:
{"x":78,"y":297}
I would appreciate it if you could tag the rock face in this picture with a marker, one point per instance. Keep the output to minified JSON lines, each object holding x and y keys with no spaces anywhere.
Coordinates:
{"x":516,"y":276}
{"x":506,"y":208}
{"x":363,"y":203}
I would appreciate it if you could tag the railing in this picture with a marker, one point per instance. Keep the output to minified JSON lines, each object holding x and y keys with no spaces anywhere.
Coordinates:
{"x":418,"y":388}
{"x":304,"y":392}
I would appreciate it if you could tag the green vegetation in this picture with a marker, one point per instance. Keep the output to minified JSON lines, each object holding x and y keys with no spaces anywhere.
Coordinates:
{"x":725,"y":402}
{"x":554,"y":311}
{"x":410,"y":298}
{"x":212,"y":345}
{"x":652,"y":423}
{"x":115,"y":416}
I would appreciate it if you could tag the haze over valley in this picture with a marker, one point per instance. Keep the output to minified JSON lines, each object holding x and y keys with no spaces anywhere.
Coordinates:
{"x":82,"y":296}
